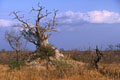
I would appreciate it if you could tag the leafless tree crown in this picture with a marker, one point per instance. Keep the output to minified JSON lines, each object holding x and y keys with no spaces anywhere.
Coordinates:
{"x":14,"y":40}
{"x":37,"y":33}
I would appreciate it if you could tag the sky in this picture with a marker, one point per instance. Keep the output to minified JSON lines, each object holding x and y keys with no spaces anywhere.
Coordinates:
{"x":81,"y":23}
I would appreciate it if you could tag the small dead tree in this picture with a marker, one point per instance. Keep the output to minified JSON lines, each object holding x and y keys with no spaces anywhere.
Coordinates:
{"x":38,"y":33}
{"x":15,"y":41}
{"x":98,"y":57}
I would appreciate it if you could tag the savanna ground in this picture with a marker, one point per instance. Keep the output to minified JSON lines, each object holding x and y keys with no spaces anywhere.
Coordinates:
{"x":74,"y":66}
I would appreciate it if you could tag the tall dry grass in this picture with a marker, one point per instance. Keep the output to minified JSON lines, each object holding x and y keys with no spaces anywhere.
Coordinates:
{"x":109,"y":67}
{"x":80,"y":71}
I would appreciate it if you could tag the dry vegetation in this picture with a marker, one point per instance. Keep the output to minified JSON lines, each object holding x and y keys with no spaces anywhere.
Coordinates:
{"x":75,"y":66}
{"x":47,"y":63}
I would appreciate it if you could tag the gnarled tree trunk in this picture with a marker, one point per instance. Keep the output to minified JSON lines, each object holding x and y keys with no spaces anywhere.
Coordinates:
{"x":45,"y":42}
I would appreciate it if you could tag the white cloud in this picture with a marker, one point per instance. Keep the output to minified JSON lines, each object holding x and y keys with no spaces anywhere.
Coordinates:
{"x":6,"y":23}
{"x":71,"y":18}
{"x":92,"y":17}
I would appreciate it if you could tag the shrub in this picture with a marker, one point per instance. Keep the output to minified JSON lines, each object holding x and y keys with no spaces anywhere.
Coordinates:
{"x":63,"y":67}
{"x":45,"y":52}
{"x":62,"y":63}
{"x":15,"y":65}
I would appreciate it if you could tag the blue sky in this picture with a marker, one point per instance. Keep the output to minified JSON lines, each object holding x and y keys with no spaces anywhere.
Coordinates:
{"x":62,"y":5}
{"x":82,"y":23}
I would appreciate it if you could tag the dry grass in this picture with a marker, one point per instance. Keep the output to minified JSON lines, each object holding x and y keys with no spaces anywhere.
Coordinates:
{"x":109,"y":68}
{"x":79,"y":71}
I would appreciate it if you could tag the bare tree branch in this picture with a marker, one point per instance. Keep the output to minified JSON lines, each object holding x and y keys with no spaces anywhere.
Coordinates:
{"x":37,"y":34}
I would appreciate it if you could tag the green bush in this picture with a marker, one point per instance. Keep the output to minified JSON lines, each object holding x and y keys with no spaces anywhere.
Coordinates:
{"x":62,"y":63}
{"x":15,"y":65}
{"x":63,"y":67}
{"x":45,"y":52}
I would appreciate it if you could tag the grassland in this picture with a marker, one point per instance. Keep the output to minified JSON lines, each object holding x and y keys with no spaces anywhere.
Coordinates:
{"x":75,"y":66}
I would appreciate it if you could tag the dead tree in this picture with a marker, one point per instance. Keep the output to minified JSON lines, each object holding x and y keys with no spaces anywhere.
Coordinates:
{"x":98,"y":57}
{"x":38,"y":33}
{"x":15,"y":42}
